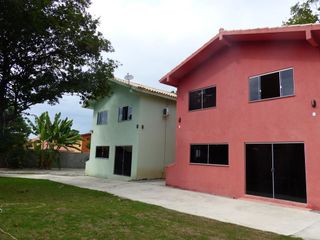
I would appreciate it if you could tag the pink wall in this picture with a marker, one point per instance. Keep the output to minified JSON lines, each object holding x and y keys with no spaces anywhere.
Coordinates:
{"x":236,"y":121}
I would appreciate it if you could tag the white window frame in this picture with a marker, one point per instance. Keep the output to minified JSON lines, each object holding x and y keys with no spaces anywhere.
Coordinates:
{"x":100,"y":117}
{"x":120,"y":113}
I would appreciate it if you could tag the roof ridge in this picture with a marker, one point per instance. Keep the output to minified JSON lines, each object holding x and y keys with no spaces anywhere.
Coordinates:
{"x":222,"y":30}
{"x":152,"y":90}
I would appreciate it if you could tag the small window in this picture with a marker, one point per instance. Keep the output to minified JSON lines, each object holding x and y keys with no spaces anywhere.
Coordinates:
{"x":124,"y":113}
{"x":102,"y":118}
{"x":273,"y":85}
{"x":102,"y":152}
{"x":199,"y":153}
{"x":195,"y":100}
{"x":218,"y":154}
{"x":203,"y":98}
{"x":286,"y":82}
{"x":209,"y":154}
{"x":270,"y":86}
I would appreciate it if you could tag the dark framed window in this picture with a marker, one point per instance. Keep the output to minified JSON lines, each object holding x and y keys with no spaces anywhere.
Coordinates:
{"x":102,"y":151}
{"x":276,"y":170}
{"x":272,"y":85}
{"x":202,"y":98}
{"x":102,"y":118}
{"x":209,"y":154}
{"x":124,"y":113}
{"x":199,"y":154}
{"x":219,"y":154}
{"x":195,"y":100}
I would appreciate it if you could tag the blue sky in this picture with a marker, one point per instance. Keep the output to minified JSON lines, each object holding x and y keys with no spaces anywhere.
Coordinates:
{"x":150,"y":37}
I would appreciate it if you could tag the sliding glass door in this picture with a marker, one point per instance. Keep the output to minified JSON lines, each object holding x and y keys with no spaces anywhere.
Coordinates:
{"x":123,"y":160}
{"x":276,"y":170}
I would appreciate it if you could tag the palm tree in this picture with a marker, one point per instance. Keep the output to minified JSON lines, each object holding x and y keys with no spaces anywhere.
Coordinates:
{"x":52,"y":136}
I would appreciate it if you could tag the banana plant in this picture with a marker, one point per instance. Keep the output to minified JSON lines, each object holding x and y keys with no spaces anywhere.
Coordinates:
{"x":52,"y":136}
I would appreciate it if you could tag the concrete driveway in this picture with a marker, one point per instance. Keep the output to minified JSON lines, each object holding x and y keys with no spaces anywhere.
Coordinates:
{"x":259,"y":215}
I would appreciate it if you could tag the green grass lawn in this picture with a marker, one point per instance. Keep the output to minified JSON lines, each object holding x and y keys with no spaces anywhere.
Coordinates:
{"x":41,"y":209}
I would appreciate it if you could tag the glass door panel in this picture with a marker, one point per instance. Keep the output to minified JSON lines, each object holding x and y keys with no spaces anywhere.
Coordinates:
{"x":289,"y":172}
{"x":258,"y":170}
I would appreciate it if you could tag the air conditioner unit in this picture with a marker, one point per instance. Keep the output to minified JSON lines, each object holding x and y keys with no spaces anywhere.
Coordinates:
{"x":165,"y":112}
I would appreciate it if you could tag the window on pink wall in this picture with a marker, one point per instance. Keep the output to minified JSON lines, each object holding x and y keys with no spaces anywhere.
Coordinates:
{"x":202,"y":98}
{"x":209,"y":154}
{"x":271,"y":85}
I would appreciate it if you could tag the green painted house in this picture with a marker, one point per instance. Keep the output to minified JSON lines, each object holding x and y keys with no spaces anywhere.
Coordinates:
{"x":133,"y":132}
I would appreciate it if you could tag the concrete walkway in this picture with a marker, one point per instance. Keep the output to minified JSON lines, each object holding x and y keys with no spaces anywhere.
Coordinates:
{"x":259,"y":215}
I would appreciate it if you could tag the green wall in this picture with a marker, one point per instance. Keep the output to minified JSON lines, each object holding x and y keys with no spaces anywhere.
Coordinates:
{"x":157,"y":139}
{"x":149,"y":154}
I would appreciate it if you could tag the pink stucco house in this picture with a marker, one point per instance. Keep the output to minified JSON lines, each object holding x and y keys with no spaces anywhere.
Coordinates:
{"x":248,"y":117}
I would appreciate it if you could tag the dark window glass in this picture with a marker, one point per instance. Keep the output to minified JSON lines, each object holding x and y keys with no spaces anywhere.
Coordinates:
{"x":129,"y":113}
{"x":204,"y":98}
{"x":199,"y":154}
{"x":218,"y":154}
{"x":125,"y":113}
{"x":209,"y":97}
{"x":120,"y":114}
{"x":289,"y":172}
{"x":259,"y":169}
{"x":286,"y":78}
{"x":127,"y":152}
{"x":276,"y":171}
{"x":102,"y":117}
{"x":278,"y":84}
{"x":195,"y":100}
{"x":209,"y":154}
{"x":270,"y":85}
{"x":118,"y":161}
{"x":255,"y":89}
{"x":123,"y":160}
{"x":102,"y":151}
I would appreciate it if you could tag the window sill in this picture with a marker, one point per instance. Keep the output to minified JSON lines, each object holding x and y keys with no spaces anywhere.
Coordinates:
{"x":202,"y":109}
{"x":211,"y":165}
{"x":270,"y":99}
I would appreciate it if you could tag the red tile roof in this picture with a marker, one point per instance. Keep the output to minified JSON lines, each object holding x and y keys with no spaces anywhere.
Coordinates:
{"x":146,"y":89}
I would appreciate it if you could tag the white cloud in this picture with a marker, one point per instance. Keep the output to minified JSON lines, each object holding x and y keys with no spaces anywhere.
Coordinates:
{"x":151,"y":37}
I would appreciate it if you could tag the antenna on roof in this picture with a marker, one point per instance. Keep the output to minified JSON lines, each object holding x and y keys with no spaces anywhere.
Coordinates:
{"x":128,"y":77}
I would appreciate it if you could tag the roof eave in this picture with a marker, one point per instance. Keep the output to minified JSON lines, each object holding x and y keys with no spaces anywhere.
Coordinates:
{"x":227,"y":38}
{"x":215,"y":44}
{"x":142,"y":89}
{"x":156,"y":94}
{"x":168,"y":80}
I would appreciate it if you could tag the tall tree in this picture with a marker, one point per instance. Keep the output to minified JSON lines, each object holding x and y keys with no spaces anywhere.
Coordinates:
{"x":13,"y":148}
{"x":306,"y":12}
{"x":48,"y":48}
